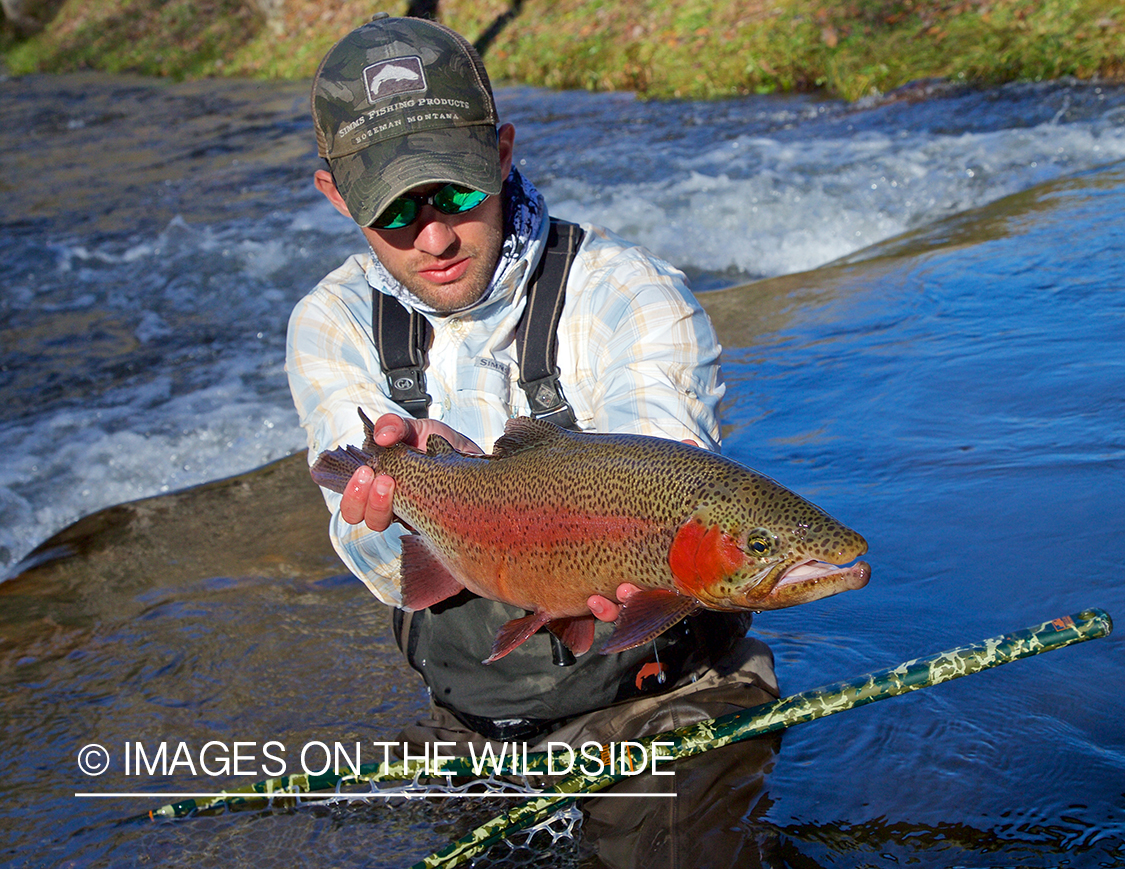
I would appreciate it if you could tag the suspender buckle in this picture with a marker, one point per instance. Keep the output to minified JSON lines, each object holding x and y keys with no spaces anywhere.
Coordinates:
{"x":408,"y":389}
{"x":545,"y":397}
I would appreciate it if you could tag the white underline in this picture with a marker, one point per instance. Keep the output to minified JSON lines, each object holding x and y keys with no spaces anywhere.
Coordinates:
{"x":363,"y":796}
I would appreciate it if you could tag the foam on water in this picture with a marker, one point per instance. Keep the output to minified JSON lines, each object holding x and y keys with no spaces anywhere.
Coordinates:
{"x":158,"y":364}
{"x":143,"y":361}
{"x":762,"y":206}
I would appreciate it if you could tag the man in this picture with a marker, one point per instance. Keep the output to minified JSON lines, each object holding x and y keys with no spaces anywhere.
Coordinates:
{"x":405,"y":118}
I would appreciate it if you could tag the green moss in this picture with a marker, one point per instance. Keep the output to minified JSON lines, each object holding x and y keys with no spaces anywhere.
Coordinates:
{"x":657,"y":48}
{"x":177,"y":38}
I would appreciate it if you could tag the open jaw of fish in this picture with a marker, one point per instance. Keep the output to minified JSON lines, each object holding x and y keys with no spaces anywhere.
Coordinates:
{"x":554,"y":516}
{"x":813,"y":580}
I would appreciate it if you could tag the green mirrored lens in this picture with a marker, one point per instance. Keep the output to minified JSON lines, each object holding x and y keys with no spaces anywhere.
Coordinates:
{"x":450,"y":199}
{"x":401,"y":212}
{"x":453,"y":199}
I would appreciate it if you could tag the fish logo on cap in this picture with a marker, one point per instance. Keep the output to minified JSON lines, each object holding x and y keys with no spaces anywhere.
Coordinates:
{"x":399,"y":75}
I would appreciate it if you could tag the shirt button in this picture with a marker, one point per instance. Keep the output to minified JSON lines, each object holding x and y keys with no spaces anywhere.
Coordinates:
{"x":457,"y":326}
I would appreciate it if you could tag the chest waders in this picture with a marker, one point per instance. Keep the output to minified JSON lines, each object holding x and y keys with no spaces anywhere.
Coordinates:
{"x":539,"y":684}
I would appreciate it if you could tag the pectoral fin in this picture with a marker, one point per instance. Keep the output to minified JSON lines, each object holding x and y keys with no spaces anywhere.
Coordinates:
{"x":645,"y":616}
{"x":425,"y":580}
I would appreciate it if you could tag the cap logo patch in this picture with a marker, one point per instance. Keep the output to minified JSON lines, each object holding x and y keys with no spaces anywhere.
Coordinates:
{"x":399,"y":75}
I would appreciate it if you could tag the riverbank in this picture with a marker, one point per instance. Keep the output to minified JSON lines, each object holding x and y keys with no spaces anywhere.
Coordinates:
{"x":659,"y":49}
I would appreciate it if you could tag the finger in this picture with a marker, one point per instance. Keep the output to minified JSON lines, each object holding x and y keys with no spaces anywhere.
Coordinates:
{"x":353,"y":502}
{"x":422,"y":429}
{"x":464,"y":445}
{"x":626,"y":590}
{"x":390,"y":429}
{"x":379,"y":513}
{"x":603,"y":608}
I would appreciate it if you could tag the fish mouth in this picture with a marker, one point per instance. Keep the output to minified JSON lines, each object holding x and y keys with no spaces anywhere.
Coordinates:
{"x":813,"y":580}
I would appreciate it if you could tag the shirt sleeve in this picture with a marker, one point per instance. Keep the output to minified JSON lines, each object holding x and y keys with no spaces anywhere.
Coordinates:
{"x":650,"y":356}
{"x":329,"y":362}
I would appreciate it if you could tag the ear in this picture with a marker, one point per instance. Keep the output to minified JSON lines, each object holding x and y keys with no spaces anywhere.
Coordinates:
{"x":507,"y":140}
{"x":326,"y":184}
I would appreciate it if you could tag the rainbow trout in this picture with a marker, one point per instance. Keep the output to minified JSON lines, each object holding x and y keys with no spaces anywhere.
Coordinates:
{"x":554,"y":516}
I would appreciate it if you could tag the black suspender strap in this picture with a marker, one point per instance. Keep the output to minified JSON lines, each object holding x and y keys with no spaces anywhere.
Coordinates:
{"x":401,"y":336}
{"x":536,"y":334}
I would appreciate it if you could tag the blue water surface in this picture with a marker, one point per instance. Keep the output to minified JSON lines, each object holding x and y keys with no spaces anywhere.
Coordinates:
{"x":958,"y":395}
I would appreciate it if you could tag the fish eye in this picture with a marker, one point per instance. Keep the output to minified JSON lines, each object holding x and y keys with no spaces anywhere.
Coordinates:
{"x":759,"y":542}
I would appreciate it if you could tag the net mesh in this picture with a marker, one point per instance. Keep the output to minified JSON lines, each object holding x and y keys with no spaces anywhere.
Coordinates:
{"x":394,"y":818}
{"x":556,"y":835}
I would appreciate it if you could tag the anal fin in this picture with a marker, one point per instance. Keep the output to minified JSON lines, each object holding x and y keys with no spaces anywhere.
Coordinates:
{"x":645,"y":616}
{"x":425,"y":580}
{"x":576,"y":633}
{"x":513,"y":634}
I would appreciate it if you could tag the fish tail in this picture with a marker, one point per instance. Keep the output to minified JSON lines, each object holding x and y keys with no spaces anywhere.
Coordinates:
{"x":334,"y":468}
{"x":369,"y":445}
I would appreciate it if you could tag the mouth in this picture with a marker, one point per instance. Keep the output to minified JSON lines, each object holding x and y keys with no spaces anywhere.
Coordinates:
{"x":444,"y":274}
{"x":813,"y":580}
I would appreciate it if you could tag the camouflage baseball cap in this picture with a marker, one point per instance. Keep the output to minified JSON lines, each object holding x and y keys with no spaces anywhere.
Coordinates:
{"x":402,"y":102}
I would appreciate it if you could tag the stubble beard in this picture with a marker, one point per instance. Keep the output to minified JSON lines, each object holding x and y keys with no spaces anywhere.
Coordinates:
{"x":467,"y":290}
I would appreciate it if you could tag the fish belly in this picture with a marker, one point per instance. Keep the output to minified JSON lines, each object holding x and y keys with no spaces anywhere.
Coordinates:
{"x":548,"y":558}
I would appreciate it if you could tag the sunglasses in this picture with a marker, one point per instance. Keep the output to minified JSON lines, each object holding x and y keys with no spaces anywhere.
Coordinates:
{"x":450,"y":199}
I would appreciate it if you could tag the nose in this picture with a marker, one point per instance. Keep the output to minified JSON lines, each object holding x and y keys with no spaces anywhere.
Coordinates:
{"x":435,"y":234}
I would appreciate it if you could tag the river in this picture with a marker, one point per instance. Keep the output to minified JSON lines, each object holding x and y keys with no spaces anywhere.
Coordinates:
{"x":922,"y":306}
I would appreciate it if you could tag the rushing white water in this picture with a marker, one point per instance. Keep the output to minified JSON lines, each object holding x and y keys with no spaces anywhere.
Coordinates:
{"x":147,"y":275}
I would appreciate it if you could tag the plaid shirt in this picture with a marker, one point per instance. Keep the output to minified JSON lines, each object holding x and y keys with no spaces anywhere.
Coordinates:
{"x":636,"y":353}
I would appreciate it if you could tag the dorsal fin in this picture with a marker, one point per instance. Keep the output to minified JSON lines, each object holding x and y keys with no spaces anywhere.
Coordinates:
{"x":436,"y":445}
{"x":524,"y":433}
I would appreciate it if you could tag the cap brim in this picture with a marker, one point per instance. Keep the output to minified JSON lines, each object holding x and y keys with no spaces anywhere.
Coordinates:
{"x":370,"y":179}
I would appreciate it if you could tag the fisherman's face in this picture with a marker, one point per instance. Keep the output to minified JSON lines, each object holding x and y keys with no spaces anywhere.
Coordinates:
{"x":447,"y":260}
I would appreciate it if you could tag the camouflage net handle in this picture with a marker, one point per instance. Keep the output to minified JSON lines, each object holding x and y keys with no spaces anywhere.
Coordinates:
{"x":769,"y":717}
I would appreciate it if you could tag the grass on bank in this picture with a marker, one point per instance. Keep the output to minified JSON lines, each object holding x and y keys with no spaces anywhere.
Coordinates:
{"x":657,"y":48}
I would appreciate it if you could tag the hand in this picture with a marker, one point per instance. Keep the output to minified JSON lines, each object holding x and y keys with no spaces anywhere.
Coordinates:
{"x":369,"y":497}
{"x":608,"y":610}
